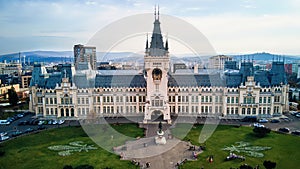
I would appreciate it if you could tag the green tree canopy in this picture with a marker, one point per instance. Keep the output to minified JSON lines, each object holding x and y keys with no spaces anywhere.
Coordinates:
{"x":12,"y":96}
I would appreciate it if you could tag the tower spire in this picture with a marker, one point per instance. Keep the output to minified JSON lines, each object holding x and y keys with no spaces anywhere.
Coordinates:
{"x":167,"y":44}
{"x":154,"y":12}
{"x":147,"y":42}
{"x":157,"y":12}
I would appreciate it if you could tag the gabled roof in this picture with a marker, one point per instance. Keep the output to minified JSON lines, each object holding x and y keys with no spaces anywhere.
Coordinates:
{"x":50,"y":83}
{"x":233,"y":79}
{"x":262,"y":78}
{"x":120,"y":81}
{"x":81,"y":81}
{"x":195,"y":80}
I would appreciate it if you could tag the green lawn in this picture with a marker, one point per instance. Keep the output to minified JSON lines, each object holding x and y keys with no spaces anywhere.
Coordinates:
{"x":285,"y":148}
{"x":32,"y":151}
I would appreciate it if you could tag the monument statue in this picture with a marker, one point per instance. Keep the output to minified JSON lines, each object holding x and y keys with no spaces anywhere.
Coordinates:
{"x":160,"y":139}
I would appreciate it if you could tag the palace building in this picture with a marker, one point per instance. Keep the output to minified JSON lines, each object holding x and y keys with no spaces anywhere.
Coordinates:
{"x":230,"y":92}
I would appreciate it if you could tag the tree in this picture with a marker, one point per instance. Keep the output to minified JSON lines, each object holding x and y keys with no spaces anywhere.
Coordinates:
{"x":269,"y":164}
{"x":261,"y":131}
{"x":246,"y":166}
{"x":12,"y":96}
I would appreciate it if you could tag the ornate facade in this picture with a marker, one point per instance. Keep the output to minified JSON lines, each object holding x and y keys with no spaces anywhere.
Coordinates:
{"x":87,"y":93}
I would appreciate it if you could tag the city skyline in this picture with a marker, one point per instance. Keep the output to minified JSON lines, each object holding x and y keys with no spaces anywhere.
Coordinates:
{"x":231,"y":27}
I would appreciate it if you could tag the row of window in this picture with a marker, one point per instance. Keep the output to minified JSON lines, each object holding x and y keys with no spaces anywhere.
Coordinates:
{"x":263,"y":110}
{"x":119,"y":99}
{"x":265,"y":99}
{"x":195,"y":90}
{"x":133,"y":99}
{"x":181,"y":109}
{"x":233,"y":100}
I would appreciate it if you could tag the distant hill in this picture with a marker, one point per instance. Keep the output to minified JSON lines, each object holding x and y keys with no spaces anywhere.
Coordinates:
{"x":265,"y":57}
{"x":67,"y":56}
{"x":39,"y":56}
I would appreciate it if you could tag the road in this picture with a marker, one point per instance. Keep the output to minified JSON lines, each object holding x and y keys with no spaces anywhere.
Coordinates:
{"x":291,"y":122}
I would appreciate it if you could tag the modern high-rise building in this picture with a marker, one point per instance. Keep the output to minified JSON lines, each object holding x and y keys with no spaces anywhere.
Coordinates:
{"x":85,"y":54}
{"x":218,"y":62}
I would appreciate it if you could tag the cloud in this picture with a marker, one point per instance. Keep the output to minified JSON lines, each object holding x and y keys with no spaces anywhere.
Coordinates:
{"x":231,"y":26}
{"x":235,"y":33}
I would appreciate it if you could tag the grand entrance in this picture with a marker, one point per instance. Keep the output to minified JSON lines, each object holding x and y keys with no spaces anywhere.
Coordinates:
{"x":157,"y":115}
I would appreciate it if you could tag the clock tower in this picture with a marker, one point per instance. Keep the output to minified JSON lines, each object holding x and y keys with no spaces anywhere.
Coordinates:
{"x":156,"y":62}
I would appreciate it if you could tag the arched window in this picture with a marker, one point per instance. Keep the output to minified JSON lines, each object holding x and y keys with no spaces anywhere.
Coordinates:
{"x":62,"y":112}
{"x":72,"y":112}
{"x":156,"y":74}
{"x":67,"y":112}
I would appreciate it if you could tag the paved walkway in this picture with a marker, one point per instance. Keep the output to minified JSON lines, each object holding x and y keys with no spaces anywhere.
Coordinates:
{"x":145,"y":150}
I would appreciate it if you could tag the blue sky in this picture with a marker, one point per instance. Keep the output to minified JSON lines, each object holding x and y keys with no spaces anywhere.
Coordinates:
{"x":231,"y":26}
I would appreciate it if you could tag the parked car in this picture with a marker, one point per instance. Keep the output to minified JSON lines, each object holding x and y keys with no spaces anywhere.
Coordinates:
{"x":54,"y":122}
{"x":41,"y":122}
{"x":284,"y":130}
{"x":20,"y":115}
{"x":29,"y":130}
{"x":263,"y":120}
{"x":258,"y":125}
{"x":3,"y":134}
{"x":249,"y":119}
{"x":2,"y":138}
{"x":293,"y":113}
{"x":49,"y":122}
{"x":61,"y":121}
{"x":4,"y":122}
{"x":11,"y":119}
{"x":296,"y":132}
{"x":41,"y":127}
{"x":275,"y":121}
{"x":17,"y":133}
{"x":298,"y":115}
{"x":34,"y":122}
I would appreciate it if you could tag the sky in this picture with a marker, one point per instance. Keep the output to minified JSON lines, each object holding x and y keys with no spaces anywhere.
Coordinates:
{"x":231,"y":26}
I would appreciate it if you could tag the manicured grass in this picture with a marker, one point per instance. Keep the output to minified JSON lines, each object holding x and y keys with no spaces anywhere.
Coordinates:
{"x":285,"y":148}
{"x":32,"y":151}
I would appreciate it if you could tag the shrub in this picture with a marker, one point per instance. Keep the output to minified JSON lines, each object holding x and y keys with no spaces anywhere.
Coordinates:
{"x":68,"y":167}
{"x":261,"y":131}
{"x":245,"y":166}
{"x":269,"y":164}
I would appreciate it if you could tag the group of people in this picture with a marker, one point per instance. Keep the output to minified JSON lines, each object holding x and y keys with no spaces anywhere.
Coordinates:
{"x":137,"y":163}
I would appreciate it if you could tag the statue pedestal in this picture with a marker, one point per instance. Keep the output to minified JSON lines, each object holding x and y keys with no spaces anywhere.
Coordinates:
{"x":160,"y":139}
